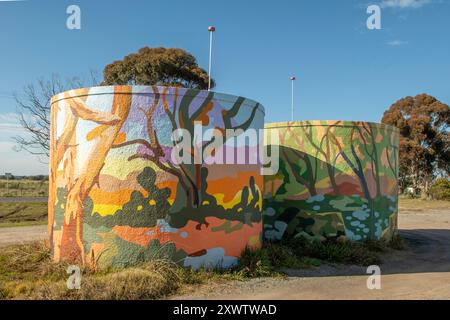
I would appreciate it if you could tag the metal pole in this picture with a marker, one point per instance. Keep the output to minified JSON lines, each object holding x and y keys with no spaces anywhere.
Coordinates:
{"x":292,"y":98}
{"x":211,"y":29}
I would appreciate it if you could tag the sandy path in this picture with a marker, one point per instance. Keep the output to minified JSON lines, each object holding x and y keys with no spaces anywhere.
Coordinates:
{"x":17,"y":235}
{"x":421,"y":272}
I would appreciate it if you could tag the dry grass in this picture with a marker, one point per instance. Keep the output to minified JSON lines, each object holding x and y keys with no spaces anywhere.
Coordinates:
{"x":152,"y":280}
{"x":22,"y":213}
{"x":406,"y":204}
{"x":27,"y":272}
{"x":23,"y":188}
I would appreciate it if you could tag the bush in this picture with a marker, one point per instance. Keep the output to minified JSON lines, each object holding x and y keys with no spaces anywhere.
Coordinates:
{"x":255,"y":263}
{"x":347,"y":252}
{"x":265,"y":261}
{"x":440,"y":190}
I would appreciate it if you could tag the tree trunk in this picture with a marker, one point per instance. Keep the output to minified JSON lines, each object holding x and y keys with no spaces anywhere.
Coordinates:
{"x":72,"y":248}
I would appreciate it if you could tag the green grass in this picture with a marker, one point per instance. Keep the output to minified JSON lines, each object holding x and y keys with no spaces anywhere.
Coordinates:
{"x":266,"y":261}
{"x":23,"y":188}
{"x":22,"y":213}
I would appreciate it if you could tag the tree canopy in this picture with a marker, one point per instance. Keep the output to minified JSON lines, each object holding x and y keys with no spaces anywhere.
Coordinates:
{"x":157,"y":66}
{"x":424,"y":144}
{"x":149,"y":66}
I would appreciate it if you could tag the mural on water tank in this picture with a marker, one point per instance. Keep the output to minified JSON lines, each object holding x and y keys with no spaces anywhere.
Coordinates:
{"x":336,"y":178}
{"x":117,"y":198}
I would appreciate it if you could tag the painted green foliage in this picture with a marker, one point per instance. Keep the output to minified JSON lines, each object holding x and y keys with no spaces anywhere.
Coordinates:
{"x":247,"y":210}
{"x":140,"y":211}
{"x":335,"y":179}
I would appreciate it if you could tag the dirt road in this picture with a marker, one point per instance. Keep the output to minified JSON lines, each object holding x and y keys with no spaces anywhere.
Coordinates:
{"x":17,"y":235}
{"x":421,"y":272}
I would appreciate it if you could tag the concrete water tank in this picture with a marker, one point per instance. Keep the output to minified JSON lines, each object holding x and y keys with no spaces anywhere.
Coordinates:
{"x":336,"y":179}
{"x":118,"y":196}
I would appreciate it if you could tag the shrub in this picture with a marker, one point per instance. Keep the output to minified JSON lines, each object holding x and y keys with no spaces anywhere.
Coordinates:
{"x":255,"y":263}
{"x":333,"y":251}
{"x":440,"y":190}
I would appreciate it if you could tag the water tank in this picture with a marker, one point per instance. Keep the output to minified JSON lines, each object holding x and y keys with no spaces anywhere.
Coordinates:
{"x":336,"y":179}
{"x":119,"y":194}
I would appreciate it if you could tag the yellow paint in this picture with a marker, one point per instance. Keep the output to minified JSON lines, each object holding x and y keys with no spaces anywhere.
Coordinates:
{"x":105,"y":209}
{"x":254,"y":241}
{"x":237,"y":199}
{"x":97,"y":131}
{"x":114,"y":164}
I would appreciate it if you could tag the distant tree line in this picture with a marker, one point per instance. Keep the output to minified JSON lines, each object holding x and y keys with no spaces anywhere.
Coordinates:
{"x":33,"y":177}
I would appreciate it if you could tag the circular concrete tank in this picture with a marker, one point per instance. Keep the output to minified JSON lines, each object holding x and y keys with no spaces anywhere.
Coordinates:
{"x":335,"y":179}
{"x":118,"y":193}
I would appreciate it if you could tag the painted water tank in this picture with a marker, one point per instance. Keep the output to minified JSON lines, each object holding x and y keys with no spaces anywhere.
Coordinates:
{"x":120,"y":196}
{"x":336,"y":179}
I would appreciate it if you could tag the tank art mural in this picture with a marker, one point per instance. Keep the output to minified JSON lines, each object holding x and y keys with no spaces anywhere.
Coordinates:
{"x":117,"y":197}
{"x":336,"y":178}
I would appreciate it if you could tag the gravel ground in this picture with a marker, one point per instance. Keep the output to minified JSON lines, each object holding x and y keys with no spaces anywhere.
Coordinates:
{"x":18,"y":235}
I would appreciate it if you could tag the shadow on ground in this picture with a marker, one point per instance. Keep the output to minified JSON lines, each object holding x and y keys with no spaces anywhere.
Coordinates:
{"x":426,"y":251}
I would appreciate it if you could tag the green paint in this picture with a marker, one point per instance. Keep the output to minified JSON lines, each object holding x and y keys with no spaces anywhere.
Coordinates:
{"x":336,"y":178}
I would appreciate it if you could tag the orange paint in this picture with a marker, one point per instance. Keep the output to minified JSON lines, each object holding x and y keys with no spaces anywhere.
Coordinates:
{"x":230,"y":186}
{"x":196,"y":240}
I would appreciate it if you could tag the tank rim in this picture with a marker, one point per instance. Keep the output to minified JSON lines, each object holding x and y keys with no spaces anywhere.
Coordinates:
{"x":142,"y":89}
{"x":325,"y":123}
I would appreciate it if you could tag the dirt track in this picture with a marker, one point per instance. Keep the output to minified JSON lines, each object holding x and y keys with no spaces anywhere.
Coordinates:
{"x":421,"y":272}
{"x":17,"y":235}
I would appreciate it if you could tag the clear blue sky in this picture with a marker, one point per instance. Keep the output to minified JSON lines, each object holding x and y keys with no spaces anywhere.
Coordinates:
{"x":344,"y":70}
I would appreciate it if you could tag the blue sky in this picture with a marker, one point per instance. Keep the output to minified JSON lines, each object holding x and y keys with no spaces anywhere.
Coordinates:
{"x":344,"y":70}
